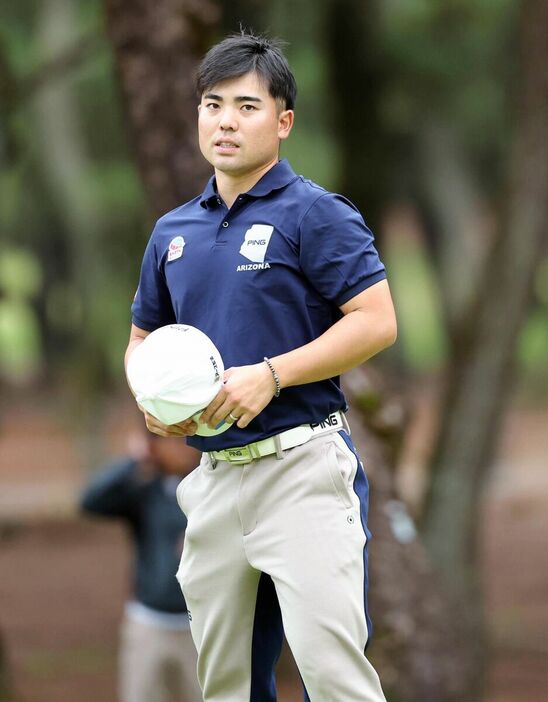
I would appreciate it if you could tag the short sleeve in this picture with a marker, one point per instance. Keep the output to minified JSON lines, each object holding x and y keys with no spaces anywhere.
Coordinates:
{"x":337,"y":251}
{"x":152,"y":306}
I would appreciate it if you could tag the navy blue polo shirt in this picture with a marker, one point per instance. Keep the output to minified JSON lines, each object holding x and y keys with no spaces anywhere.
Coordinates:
{"x":262,"y":278}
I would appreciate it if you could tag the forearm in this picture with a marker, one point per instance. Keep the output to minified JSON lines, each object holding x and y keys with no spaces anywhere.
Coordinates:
{"x":355,"y":338}
{"x":136,"y":337}
{"x":133,"y":344}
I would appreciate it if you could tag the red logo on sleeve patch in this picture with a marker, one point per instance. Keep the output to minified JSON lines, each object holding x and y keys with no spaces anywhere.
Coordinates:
{"x":175,"y":249}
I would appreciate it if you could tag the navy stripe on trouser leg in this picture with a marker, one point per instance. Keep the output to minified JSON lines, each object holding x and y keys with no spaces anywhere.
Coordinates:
{"x":268,"y":637}
{"x":267,"y":642}
{"x":361,"y":488}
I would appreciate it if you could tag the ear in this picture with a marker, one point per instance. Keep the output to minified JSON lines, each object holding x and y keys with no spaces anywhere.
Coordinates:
{"x":285,"y":123}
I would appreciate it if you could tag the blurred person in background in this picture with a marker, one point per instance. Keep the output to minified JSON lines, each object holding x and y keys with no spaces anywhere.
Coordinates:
{"x":157,"y":657}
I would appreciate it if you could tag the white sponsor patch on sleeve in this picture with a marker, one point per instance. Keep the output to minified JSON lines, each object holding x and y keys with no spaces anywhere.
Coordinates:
{"x":175,"y":249}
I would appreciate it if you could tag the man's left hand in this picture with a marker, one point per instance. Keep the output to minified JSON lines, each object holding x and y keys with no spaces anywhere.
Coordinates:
{"x":246,"y":391}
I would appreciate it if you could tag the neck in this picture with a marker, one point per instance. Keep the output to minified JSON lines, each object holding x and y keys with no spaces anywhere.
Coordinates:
{"x":230,"y":185}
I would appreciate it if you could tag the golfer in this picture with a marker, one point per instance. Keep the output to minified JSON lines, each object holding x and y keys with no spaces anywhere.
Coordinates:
{"x":284,"y":278}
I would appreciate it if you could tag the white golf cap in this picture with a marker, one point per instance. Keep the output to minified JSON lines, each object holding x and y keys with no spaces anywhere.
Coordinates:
{"x":175,"y":373}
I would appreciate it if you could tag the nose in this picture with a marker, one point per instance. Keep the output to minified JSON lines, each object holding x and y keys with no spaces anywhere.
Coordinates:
{"x":228,"y":121}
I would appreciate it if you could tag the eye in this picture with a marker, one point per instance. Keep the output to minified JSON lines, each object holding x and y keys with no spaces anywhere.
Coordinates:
{"x":212,"y":106}
{"x":248,"y":108}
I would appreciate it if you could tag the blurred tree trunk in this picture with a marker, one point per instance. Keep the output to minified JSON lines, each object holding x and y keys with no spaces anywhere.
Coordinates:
{"x":453,"y":218}
{"x":357,"y":75}
{"x":156,"y":46}
{"x":72,"y":269}
{"x":483,"y":348}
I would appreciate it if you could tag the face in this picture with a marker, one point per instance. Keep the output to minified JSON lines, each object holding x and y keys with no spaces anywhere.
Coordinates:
{"x":240,"y":126}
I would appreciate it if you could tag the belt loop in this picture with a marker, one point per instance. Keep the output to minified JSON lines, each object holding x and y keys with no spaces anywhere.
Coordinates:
{"x":254,"y":450}
{"x":278,"y":446}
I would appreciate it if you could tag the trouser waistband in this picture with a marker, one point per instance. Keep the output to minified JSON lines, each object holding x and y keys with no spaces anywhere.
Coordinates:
{"x":283,"y":441}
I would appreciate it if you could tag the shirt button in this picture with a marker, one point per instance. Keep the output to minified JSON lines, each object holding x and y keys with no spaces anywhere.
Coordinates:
{"x":218,"y":200}
{"x":225,"y":224}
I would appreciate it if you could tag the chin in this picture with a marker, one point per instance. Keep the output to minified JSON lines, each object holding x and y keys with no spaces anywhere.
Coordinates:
{"x":224,"y":164}
{"x":231,"y":167}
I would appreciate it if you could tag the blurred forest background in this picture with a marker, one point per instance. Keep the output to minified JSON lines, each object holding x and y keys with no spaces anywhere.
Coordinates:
{"x":432,"y":116}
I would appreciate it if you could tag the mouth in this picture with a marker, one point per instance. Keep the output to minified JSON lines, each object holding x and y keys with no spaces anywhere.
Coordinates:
{"x":226,"y":146}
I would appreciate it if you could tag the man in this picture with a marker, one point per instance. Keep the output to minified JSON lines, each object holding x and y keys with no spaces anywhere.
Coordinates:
{"x":157,"y":656}
{"x":284,"y":278}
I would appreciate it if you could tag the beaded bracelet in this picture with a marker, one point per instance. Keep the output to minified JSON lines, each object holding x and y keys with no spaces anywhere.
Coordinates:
{"x":274,"y":375}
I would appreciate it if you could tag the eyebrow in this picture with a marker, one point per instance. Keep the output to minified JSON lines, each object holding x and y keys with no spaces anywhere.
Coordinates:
{"x":240,"y":98}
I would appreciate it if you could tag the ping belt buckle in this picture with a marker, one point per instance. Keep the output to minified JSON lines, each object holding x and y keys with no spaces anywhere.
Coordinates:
{"x":239,"y":454}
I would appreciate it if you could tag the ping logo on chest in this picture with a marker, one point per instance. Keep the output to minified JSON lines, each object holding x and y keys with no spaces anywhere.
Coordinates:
{"x":254,"y":247}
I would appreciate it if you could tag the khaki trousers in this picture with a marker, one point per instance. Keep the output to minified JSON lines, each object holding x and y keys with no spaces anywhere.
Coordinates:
{"x":156,"y":665}
{"x":302,"y":521}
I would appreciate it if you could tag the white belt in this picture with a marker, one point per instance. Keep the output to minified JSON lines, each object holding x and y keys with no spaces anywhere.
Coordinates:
{"x":281,"y":442}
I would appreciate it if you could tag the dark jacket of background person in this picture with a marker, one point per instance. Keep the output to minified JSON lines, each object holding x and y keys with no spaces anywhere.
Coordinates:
{"x":146,"y":502}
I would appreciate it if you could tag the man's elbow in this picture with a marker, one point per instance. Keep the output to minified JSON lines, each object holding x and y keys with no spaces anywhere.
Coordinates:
{"x":388,"y":333}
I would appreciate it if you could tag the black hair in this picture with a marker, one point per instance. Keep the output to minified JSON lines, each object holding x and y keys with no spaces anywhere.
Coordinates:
{"x":244,"y":53}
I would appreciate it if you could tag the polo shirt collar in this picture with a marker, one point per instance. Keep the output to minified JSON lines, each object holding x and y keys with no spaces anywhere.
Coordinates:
{"x":277,"y":177}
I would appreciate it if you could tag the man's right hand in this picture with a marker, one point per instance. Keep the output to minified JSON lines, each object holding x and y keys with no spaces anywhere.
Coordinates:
{"x":186,"y":428}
